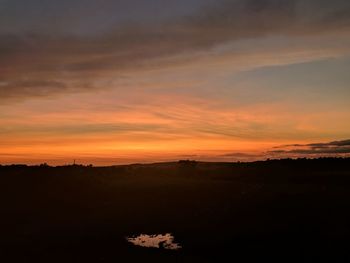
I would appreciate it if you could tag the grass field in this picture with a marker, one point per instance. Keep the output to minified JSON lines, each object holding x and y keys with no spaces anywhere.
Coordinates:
{"x":278,"y":210}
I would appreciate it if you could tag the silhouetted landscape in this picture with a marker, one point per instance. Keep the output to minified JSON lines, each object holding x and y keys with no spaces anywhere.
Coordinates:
{"x":276,"y":210}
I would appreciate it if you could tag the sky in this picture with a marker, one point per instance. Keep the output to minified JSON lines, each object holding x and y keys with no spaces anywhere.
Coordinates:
{"x":125,"y":81}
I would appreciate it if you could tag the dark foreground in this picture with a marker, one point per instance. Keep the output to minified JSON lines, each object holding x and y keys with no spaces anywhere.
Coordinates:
{"x":280,"y":211}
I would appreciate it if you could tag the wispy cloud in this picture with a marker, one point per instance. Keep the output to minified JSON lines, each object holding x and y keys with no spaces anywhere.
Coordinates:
{"x":335,"y":147}
{"x":39,"y":64}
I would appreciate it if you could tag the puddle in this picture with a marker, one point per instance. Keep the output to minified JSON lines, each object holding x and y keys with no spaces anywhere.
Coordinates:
{"x":165,"y":241}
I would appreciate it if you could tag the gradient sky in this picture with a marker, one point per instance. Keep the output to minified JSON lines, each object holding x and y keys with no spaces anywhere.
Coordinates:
{"x":121,"y":81}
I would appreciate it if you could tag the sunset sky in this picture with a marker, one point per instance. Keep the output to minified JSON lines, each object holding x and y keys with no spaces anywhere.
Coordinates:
{"x":123,"y":81}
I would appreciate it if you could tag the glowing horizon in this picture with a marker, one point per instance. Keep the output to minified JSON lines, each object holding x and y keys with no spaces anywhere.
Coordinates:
{"x":206,"y":80}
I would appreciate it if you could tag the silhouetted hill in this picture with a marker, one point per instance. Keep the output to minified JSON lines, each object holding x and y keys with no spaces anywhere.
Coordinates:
{"x":277,"y":210}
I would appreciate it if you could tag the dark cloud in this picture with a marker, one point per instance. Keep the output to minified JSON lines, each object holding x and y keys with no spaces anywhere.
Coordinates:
{"x":335,"y":147}
{"x":24,"y":88}
{"x":330,"y":144}
{"x":318,"y":145}
{"x":240,"y":155}
{"x":142,"y":45}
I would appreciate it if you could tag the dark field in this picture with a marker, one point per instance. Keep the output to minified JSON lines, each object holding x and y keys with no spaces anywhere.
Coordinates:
{"x":280,"y":211}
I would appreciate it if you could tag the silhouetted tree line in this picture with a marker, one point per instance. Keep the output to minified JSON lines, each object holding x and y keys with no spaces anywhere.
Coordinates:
{"x":269,"y":170}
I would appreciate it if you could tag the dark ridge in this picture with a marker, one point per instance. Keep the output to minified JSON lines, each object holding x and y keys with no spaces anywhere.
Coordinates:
{"x":275,"y":210}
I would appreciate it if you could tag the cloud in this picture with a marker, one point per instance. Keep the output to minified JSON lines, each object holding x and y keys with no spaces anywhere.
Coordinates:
{"x":27,"y":58}
{"x":335,"y":147}
{"x":239,"y":154}
{"x":19,"y":88}
{"x":330,"y":144}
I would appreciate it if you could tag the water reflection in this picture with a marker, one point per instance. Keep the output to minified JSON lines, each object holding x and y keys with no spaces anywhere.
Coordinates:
{"x":165,"y":241}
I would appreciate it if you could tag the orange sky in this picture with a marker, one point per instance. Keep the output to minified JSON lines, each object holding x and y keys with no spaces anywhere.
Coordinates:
{"x":200,"y":80}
